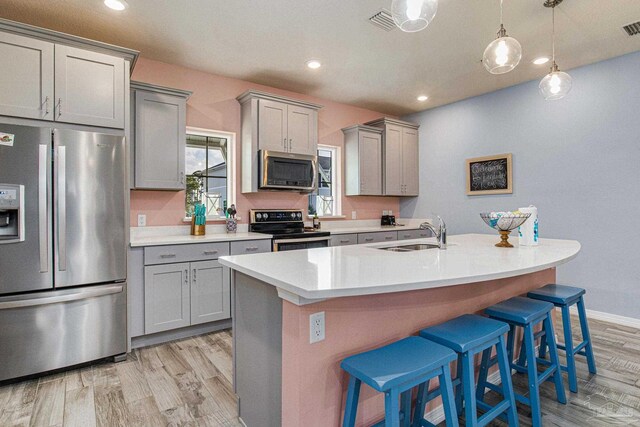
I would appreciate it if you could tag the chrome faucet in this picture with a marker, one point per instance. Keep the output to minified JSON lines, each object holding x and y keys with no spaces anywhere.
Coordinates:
{"x":440,"y":233}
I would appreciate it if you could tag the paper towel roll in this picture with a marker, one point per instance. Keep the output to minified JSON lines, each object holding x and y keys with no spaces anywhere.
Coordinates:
{"x":528,"y":231}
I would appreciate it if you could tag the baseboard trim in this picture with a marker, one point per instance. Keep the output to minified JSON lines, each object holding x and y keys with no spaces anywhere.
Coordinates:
{"x":177,"y":334}
{"x":611,"y":318}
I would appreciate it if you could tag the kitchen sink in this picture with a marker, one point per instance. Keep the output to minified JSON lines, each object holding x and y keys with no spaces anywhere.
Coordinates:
{"x":410,"y":248}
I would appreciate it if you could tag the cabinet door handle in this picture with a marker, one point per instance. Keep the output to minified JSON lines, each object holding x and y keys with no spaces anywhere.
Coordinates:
{"x":194,"y":275}
{"x":406,"y":236}
{"x":369,"y":239}
{"x":289,"y":144}
{"x":285,"y":144}
{"x":46,"y":106}
{"x":182,"y":177}
{"x":186,"y":276}
{"x":210,"y":252}
{"x":388,"y":238}
{"x":251,"y":249}
{"x":168,"y":256}
{"x":59,"y":107}
{"x":344,"y":241}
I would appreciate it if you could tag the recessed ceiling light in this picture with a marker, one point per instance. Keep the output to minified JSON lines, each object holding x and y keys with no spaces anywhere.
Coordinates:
{"x":423,"y":98}
{"x":541,"y":60}
{"x":314,"y":64}
{"x":116,"y":4}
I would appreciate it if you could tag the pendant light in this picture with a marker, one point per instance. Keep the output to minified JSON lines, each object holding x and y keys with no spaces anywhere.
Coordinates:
{"x":556,"y":84}
{"x":503,"y":54}
{"x":413,"y":15}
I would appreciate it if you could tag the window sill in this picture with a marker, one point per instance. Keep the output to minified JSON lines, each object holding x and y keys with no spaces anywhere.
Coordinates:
{"x":328,"y":217}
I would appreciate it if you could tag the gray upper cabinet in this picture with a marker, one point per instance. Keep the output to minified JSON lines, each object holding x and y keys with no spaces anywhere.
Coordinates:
{"x":48,"y":75}
{"x":210,"y":292}
{"x":363,"y":161}
{"x":272,"y":128}
{"x":89,"y":87}
{"x":302,"y":130}
{"x":400,"y":157}
{"x":26,"y":86}
{"x":159,"y":117}
{"x":167,"y":302}
{"x":276,"y":123}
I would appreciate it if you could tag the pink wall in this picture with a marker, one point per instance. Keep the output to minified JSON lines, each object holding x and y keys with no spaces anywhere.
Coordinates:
{"x":213,"y":106}
{"x":313,"y":384}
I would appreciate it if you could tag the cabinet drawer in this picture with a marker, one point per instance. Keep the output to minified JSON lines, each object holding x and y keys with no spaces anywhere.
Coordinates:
{"x":344,"y":240}
{"x":385,"y":236}
{"x":414,"y":234}
{"x":250,"y":247}
{"x":181,"y":253}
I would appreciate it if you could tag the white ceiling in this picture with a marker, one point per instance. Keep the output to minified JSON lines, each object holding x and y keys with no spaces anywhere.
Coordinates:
{"x":269,"y":41}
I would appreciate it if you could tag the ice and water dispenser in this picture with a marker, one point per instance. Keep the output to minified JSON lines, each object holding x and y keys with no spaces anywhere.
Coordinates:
{"x":11,"y":213}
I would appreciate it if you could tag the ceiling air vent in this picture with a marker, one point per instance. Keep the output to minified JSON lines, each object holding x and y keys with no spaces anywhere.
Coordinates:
{"x":632,"y":29}
{"x":383,"y":19}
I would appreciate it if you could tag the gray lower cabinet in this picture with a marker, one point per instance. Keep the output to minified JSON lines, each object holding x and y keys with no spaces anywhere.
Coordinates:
{"x":167,"y":301}
{"x":414,"y":234}
{"x":159,"y":117}
{"x":210,"y":292}
{"x":383,"y":236}
{"x":344,"y":240}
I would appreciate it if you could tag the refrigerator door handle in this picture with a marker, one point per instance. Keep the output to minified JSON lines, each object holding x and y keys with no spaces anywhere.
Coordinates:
{"x":62,"y":208}
{"x":43,"y":190}
{"x":98,"y":291}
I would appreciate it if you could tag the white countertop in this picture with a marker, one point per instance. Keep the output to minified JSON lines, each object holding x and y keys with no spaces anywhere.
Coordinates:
{"x":305,"y":276}
{"x":181,"y":239}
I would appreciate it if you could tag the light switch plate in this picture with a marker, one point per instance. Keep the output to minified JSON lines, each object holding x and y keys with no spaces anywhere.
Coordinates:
{"x":142,"y":220}
{"x":316,"y":327}
{"x":353,"y":215}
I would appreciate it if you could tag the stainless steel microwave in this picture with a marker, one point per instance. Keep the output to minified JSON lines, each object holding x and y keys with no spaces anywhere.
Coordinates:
{"x":287,"y":171}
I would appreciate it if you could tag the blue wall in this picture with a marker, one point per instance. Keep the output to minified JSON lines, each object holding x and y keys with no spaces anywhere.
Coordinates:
{"x":576,"y":159}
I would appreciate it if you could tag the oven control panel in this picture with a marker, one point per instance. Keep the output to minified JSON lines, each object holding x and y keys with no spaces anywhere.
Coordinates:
{"x":272,"y":215}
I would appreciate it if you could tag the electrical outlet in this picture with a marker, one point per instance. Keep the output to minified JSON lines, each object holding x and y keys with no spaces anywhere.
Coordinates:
{"x":316,"y":327}
{"x":353,"y":215}
{"x":142,"y":220}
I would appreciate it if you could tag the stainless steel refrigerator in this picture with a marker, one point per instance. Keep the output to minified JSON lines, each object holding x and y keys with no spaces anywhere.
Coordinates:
{"x":62,"y":248}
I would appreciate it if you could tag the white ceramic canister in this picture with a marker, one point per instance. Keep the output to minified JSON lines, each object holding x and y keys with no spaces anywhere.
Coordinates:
{"x":528,"y":231}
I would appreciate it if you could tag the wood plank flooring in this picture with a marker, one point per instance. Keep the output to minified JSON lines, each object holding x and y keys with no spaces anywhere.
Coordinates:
{"x":182,"y":383}
{"x":188,"y":383}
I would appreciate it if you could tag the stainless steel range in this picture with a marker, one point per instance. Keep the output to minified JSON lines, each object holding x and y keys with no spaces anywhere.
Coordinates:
{"x":287,"y":228}
{"x":62,"y":249}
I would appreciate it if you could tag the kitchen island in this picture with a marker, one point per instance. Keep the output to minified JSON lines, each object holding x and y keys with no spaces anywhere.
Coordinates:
{"x":370,"y":297}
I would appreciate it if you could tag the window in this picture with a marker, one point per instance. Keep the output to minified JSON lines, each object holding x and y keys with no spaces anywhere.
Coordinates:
{"x":208,"y":160}
{"x":325,"y":201}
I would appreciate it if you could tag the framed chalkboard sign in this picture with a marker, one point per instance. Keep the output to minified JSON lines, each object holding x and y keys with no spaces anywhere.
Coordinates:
{"x":490,"y":175}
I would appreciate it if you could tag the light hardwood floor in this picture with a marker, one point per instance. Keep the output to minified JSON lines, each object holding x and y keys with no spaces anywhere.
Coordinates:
{"x":188,"y":383}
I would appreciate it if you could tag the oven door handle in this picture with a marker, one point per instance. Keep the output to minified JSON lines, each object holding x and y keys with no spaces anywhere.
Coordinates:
{"x":302,"y":240}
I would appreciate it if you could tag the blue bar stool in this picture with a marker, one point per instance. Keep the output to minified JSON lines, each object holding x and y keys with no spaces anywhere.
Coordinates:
{"x":395,"y":370}
{"x":527,"y":313}
{"x":469,"y":335}
{"x":564,"y":297}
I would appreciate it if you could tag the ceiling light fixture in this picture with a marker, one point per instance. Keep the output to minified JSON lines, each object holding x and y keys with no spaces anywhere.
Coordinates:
{"x":422,"y":98}
{"x":542,"y":60}
{"x":118,"y":5}
{"x":503,"y":54}
{"x":557,"y":84}
{"x":413,"y":15}
{"x":314,"y":64}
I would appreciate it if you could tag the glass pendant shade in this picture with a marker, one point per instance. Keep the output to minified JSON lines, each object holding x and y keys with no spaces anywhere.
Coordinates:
{"x":413,"y":15}
{"x":502,"y":55}
{"x":555,"y":85}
